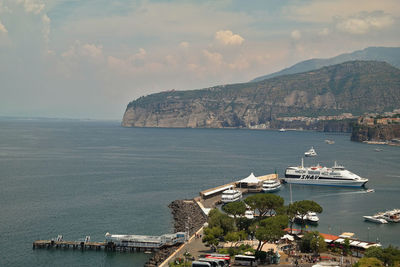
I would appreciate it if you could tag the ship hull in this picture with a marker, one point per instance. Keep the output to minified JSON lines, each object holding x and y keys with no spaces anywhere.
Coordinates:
{"x":325,"y":182}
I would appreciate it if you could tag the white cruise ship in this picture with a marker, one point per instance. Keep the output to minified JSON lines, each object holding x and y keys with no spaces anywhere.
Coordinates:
{"x":270,"y":186}
{"x":318,"y":175}
{"x":231,"y":195}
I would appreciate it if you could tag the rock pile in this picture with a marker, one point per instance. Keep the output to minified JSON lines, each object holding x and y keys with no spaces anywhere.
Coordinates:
{"x":186,"y":213}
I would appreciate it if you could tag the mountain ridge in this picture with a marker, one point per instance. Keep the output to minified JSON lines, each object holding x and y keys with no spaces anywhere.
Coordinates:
{"x":355,"y":86}
{"x":390,"y":55}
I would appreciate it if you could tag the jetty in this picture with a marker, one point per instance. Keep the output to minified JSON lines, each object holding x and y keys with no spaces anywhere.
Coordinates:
{"x":130,"y":243}
{"x":251,"y":184}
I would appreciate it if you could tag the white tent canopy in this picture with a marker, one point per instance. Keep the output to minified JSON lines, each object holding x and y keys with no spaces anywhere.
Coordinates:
{"x":288,"y":237}
{"x":251,"y":179}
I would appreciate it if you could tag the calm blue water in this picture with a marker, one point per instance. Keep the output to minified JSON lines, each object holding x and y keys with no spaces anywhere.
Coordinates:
{"x":80,"y":178}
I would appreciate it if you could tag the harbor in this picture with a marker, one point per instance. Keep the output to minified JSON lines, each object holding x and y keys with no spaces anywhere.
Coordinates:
{"x":126,"y":185}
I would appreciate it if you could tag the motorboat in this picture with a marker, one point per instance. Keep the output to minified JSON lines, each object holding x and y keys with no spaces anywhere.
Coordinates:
{"x":370,"y":190}
{"x":310,"y":217}
{"x":249,"y":214}
{"x":282,"y":130}
{"x":375,"y":219}
{"x":318,"y":175}
{"x":231,"y":195}
{"x":329,"y":142}
{"x":310,"y":153}
{"x":391,"y":215}
{"x":272,"y":185}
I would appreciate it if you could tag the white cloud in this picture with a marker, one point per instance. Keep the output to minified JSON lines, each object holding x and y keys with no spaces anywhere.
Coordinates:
{"x":78,"y":50}
{"x":364,"y":23}
{"x":2,"y":28}
{"x":228,"y":38}
{"x":33,"y":6}
{"x":324,"y":32}
{"x":326,"y":11}
{"x":184,"y":44}
{"x":296,"y":35}
{"x":215,"y":58}
{"x":46,"y":28}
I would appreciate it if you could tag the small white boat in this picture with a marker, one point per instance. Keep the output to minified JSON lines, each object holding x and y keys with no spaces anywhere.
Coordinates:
{"x":329,"y":142}
{"x":374,"y":219}
{"x":282,"y":130}
{"x":310,"y":153}
{"x":370,"y":190}
{"x":249,"y":214}
{"x":270,"y":186}
{"x":378,"y":149}
{"x":310,"y":217}
{"x":231,"y":195}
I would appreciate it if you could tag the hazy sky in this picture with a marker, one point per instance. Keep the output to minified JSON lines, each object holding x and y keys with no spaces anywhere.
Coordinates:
{"x":89,"y":58}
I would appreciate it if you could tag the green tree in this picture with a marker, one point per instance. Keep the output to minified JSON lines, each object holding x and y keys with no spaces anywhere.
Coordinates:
{"x":313,"y":242}
{"x":232,"y":237}
{"x":265,"y":204}
{"x":303,"y":207}
{"x":389,"y":256}
{"x":369,"y":262}
{"x":235,"y":209}
{"x":218,"y":219}
{"x":270,"y":230}
{"x":212,"y":236}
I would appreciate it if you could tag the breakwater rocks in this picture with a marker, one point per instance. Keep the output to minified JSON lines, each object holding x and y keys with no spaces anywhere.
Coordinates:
{"x":186,"y":214}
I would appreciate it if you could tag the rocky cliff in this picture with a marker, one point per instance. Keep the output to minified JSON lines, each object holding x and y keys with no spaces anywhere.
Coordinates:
{"x":380,"y":133}
{"x":356,"y":87}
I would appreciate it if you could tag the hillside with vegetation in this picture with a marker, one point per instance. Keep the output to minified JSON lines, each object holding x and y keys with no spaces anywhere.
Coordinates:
{"x":355,"y":87}
{"x":390,"y":55}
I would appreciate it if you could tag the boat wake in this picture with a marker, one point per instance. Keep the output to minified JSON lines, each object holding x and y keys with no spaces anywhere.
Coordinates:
{"x":344,"y":193}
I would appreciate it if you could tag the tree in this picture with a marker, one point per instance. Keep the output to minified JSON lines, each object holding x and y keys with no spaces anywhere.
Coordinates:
{"x":235,"y":209}
{"x":264,"y":203}
{"x":303,"y":207}
{"x":313,"y":242}
{"x":369,"y":262}
{"x":212,"y":236}
{"x":232,"y":237}
{"x":389,"y":256}
{"x":270,"y":230}
{"x":218,"y":219}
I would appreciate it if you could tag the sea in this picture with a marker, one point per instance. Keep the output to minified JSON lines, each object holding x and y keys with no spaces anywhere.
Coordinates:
{"x":86,"y":178}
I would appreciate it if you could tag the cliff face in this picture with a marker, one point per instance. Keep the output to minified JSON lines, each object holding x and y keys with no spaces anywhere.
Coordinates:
{"x":363,"y":133}
{"x":356,"y":87}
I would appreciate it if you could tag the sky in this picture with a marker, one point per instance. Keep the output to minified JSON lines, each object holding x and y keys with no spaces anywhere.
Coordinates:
{"x":88,"y":59}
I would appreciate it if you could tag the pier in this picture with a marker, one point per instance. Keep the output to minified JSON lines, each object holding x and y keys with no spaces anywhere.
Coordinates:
{"x":130,"y":243}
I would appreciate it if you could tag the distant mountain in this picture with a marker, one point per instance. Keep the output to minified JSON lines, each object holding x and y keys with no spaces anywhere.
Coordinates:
{"x":390,"y":55}
{"x":355,"y":86}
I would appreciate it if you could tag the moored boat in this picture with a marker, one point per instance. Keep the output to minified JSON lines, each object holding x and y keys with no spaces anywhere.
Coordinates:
{"x":310,"y":217}
{"x":270,"y":186}
{"x":318,"y":175}
{"x":374,"y":219}
{"x":231,"y":195}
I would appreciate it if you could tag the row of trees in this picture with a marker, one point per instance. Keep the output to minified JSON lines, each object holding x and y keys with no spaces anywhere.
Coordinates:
{"x":273,"y":217}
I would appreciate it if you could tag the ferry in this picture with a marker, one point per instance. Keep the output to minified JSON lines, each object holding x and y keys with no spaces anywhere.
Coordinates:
{"x":318,"y":175}
{"x":270,"y":186}
{"x":231,"y":195}
{"x":310,"y":153}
